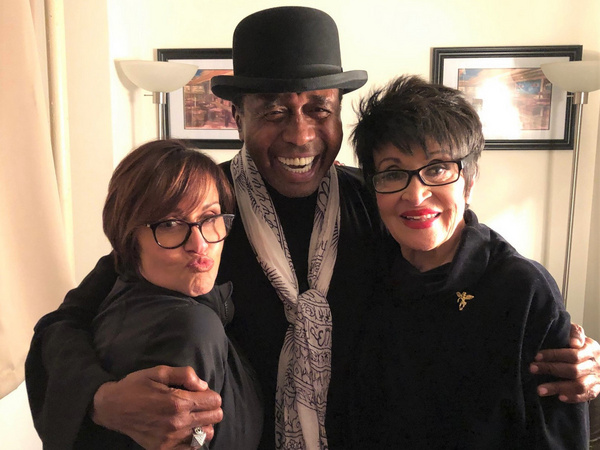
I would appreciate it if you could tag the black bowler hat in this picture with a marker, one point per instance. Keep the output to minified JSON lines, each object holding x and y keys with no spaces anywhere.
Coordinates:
{"x":286,"y":49}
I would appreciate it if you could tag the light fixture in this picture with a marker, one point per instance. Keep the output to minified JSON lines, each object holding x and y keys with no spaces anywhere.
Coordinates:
{"x":158,"y":77}
{"x":580,"y":78}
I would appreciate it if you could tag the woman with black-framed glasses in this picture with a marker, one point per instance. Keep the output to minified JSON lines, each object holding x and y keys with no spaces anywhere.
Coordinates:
{"x":461,"y":313}
{"x":168,"y":210}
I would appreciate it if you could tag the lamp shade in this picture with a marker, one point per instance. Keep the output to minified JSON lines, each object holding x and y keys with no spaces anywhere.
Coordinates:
{"x":574,"y":76}
{"x":158,"y":76}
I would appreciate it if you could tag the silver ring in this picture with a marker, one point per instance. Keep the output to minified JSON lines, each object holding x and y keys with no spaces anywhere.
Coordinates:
{"x":198,"y":437}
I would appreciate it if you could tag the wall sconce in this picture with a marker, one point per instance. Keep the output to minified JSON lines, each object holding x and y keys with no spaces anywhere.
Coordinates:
{"x":580,"y":78}
{"x":158,"y":77}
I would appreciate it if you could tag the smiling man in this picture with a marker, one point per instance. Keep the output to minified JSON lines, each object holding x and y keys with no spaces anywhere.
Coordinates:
{"x":292,"y":138}
{"x":301,"y":255}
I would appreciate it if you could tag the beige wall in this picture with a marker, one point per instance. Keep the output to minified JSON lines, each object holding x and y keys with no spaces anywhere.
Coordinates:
{"x":522,"y":194}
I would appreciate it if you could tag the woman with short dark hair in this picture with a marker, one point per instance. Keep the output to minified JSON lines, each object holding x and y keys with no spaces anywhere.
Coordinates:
{"x":167,"y":212}
{"x":461,"y":314}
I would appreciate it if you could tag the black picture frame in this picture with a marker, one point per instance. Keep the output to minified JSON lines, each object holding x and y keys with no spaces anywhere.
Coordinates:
{"x":193,"y":113}
{"x":510,"y":82}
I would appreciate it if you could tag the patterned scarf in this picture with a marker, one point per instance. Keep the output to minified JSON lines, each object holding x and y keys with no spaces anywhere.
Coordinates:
{"x":305,"y":361}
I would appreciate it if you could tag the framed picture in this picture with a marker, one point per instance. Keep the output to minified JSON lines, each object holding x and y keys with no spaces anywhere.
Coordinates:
{"x":193,"y":112}
{"x":519,"y":108}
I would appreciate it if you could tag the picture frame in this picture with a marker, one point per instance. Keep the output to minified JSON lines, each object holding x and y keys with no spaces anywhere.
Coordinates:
{"x":519,"y":108}
{"x":194,"y":113}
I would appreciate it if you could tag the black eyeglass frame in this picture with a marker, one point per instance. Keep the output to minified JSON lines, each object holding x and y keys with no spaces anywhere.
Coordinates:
{"x":228,"y":219}
{"x":412,"y":173}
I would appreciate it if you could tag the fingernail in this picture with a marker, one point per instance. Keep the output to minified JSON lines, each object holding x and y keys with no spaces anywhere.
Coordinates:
{"x":542,"y":391}
{"x":562,"y":398}
{"x":534,"y":368}
{"x":539,"y":357}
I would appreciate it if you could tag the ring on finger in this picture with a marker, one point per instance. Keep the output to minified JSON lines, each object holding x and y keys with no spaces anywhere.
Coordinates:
{"x":198,"y":437}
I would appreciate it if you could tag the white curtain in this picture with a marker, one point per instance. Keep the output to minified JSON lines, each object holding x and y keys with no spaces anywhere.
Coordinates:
{"x":34,"y":265}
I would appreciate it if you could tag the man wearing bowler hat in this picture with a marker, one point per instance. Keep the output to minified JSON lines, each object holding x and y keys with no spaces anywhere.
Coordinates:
{"x":301,"y":256}
{"x":309,"y":222}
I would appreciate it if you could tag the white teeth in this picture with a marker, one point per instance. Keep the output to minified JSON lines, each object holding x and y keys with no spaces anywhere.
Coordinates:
{"x":297,"y":165}
{"x":425,"y":217}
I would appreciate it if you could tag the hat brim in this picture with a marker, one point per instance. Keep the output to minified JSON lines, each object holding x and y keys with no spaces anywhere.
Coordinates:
{"x":230,"y":86}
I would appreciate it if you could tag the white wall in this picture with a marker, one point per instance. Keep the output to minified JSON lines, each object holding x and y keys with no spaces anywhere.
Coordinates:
{"x":523,"y":194}
{"x":16,"y":426}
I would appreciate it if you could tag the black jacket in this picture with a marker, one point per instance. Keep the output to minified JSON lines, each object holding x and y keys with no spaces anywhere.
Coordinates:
{"x":141,"y":325}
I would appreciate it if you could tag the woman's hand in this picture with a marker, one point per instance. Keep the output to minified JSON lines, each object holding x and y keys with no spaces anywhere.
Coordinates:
{"x":146,"y":407}
{"x":579,"y":365}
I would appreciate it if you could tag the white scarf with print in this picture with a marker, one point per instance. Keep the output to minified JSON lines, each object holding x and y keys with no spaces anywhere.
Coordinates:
{"x":305,"y":361}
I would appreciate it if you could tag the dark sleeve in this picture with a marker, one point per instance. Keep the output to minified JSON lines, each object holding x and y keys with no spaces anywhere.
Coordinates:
{"x":62,"y":370}
{"x":194,"y":336}
{"x":158,"y":331}
{"x":551,"y":424}
{"x":187,"y":336}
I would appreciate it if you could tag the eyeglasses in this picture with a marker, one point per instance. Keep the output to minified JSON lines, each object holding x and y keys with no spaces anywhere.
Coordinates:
{"x":173,"y":233}
{"x":433,"y":174}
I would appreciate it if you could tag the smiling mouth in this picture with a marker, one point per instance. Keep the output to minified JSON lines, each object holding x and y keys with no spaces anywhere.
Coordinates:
{"x":297,"y":165}
{"x":421,"y":218}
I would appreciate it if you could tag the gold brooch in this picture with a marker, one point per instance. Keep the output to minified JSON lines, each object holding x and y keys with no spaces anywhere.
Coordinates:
{"x":462,"y":299}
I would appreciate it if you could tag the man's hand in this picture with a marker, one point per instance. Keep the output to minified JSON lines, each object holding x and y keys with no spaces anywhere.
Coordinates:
{"x":146,"y":407}
{"x":580,"y":365}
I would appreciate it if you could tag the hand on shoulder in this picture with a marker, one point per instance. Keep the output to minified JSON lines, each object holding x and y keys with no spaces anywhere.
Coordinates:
{"x":579,"y":365}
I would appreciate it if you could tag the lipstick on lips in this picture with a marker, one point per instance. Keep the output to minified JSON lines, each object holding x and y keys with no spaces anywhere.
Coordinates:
{"x":419,"y":219}
{"x":201,"y":264}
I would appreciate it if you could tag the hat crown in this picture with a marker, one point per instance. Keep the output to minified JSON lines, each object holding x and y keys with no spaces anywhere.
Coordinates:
{"x":286,"y":42}
{"x":286,"y":49}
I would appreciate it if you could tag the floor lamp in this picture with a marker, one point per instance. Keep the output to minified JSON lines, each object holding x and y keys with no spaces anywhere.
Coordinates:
{"x":158,"y":77}
{"x":580,"y":78}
